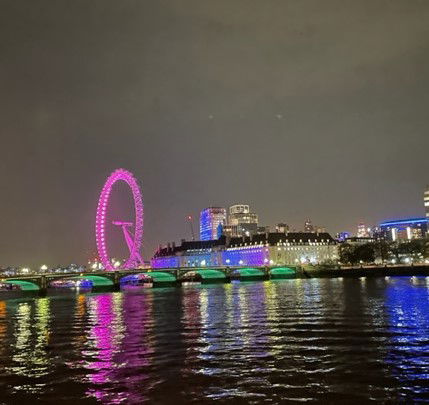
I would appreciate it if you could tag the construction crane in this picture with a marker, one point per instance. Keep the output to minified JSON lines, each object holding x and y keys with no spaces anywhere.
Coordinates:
{"x":191,"y":226}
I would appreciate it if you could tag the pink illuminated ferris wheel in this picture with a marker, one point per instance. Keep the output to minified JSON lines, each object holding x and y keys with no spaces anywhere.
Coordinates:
{"x":133,"y":239}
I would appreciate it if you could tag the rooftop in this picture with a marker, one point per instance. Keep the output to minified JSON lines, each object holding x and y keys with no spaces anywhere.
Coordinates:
{"x":404,"y":221}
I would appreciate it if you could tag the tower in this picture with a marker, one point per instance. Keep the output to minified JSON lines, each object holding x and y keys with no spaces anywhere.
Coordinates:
{"x":212,"y":220}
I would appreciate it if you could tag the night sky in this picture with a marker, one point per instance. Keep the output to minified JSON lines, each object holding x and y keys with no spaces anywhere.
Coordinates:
{"x":303,"y":109}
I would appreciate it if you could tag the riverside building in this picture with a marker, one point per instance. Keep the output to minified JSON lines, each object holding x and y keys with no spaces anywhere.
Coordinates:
{"x":270,"y":249}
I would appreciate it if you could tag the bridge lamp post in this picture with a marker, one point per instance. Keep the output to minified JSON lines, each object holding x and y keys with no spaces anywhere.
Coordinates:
{"x":25,"y":270}
{"x":43,"y":268}
{"x":116,"y":264}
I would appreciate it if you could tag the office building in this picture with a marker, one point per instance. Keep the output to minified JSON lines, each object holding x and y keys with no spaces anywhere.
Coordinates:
{"x":426,"y":202}
{"x":362,"y":231}
{"x":242,"y":221}
{"x":404,"y":229}
{"x":212,"y":220}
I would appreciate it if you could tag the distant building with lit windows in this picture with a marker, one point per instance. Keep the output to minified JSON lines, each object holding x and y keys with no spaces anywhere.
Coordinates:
{"x":342,"y":236}
{"x":241,"y":221}
{"x":404,"y":229}
{"x":308,"y":226}
{"x":282,"y":227}
{"x":212,"y":220}
{"x":426,"y":202}
{"x":362,"y":231}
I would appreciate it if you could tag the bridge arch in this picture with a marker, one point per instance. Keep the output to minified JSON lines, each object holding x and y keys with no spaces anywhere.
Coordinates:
{"x":282,"y":272}
{"x":161,"y":277}
{"x":25,"y":285}
{"x":97,"y":281}
{"x":130,"y":278}
{"x":248,"y":274}
{"x":206,"y":275}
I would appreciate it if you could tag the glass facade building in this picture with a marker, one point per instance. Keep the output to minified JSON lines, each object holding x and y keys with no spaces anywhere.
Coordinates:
{"x":212,"y":220}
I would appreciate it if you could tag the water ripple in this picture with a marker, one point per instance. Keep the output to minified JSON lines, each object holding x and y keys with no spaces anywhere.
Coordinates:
{"x":295,"y":340}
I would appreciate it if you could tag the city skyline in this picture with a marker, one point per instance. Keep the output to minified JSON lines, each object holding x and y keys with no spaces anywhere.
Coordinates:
{"x":306,"y":110}
{"x":368,"y":227}
{"x":214,"y":201}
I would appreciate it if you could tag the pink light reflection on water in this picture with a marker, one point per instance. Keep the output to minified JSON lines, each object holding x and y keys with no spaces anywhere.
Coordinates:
{"x":120,"y":334}
{"x":103,"y":333}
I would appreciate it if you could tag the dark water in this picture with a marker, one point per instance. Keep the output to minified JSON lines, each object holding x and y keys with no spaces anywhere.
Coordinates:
{"x":329,"y":340}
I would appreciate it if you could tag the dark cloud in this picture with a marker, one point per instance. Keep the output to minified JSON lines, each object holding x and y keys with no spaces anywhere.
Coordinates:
{"x":301,"y":108}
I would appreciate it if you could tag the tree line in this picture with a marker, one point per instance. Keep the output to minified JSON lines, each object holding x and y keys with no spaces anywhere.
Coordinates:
{"x":416,"y":250}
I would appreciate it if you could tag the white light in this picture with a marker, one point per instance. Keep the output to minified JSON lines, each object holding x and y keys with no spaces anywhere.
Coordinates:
{"x":94,"y":266}
{"x":25,"y":270}
{"x":117,"y":264}
{"x":43,"y":267}
{"x":240,"y":262}
{"x":203,"y":263}
{"x":228,"y":261}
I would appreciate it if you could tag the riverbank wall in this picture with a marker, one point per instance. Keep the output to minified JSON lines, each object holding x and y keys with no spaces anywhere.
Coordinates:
{"x":375,"y":271}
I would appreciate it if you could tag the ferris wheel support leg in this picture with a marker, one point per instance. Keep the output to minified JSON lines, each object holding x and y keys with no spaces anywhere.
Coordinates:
{"x":130,"y":244}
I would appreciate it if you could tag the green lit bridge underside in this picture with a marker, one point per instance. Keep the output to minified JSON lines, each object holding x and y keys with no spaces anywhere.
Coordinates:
{"x":158,"y":278}
{"x":254,"y":273}
{"x":23,"y":284}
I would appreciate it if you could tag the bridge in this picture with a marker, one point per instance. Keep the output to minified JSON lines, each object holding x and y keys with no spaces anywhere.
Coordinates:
{"x":158,"y":277}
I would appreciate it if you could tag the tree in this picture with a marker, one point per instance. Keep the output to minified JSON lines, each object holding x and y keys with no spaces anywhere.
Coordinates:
{"x":365,"y":253}
{"x":382,"y":250}
{"x":354,"y":254}
{"x":347,"y":253}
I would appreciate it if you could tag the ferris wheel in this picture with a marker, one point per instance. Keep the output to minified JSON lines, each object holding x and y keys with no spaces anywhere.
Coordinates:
{"x":134,"y":238}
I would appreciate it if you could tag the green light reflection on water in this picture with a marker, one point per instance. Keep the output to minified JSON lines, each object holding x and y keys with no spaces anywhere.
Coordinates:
{"x":31,"y":337}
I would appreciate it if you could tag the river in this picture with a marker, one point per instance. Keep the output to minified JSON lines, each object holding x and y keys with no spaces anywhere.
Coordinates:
{"x":322,"y":340}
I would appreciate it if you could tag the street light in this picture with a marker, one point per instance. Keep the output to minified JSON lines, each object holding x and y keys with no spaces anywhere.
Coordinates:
{"x":43,"y":267}
{"x":25,"y":270}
